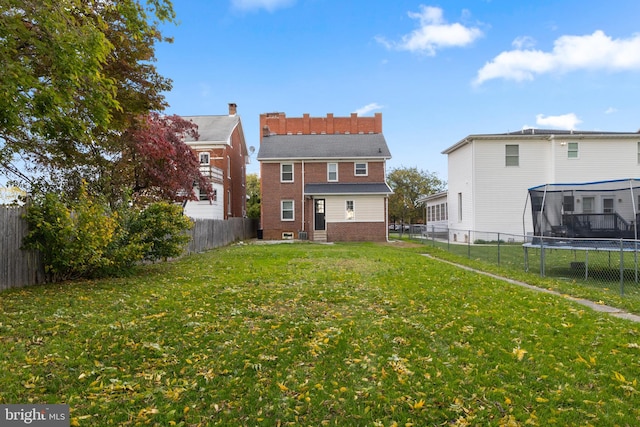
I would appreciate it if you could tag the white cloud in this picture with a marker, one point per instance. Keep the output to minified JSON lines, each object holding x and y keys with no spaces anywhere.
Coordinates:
{"x":523,"y":42}
{"x":433,"y":34}
{"x":564,"y":121}
{"x":611,"y":110}
{"x":595,"y":51}
{"x":368,"y":108}
{"x":269,"y":5}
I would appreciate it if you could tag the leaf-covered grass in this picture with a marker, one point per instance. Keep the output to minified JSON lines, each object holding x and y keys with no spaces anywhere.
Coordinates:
{"x":305,"y":334}
{"x":603,"y":283}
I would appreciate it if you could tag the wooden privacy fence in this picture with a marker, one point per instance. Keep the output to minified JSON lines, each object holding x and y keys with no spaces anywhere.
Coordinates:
{"x":212,"y":233}
{"x":20,"y":268}
{"x":17,"y":267}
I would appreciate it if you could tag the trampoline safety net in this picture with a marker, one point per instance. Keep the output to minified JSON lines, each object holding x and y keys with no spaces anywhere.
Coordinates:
{"x":603,"y":209}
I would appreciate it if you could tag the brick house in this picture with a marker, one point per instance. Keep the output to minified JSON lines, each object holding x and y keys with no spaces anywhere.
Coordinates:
{"x":223,"y":155}
{"x":323,"y":178}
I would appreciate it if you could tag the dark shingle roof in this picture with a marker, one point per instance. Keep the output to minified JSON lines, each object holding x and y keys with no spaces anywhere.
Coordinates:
{"x":329,"y":146}
{"x":347,"y":188}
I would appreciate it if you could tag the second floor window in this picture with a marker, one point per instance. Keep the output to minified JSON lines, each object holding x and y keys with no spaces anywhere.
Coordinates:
{"x":361,"y":169}
{"x":286,"y":172}
{"x":572,"y":150}
{"x":332,"y":171}
{"x":204,"y":158}
{"x":512,"y":155}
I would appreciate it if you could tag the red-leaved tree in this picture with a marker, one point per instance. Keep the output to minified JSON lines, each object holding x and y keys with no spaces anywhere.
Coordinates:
{"x":157,"y":163}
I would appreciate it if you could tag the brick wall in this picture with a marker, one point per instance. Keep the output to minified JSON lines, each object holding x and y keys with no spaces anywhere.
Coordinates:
{"x":271,"y":196}
{"x":356,"y":232}
{"x":280,"y":124}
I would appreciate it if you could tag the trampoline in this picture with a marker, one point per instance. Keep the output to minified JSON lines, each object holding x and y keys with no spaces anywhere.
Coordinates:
{"x":586,"y":217}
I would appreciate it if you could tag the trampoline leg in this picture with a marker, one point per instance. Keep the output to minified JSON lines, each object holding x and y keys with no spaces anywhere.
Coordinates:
{"x":586,"y":265}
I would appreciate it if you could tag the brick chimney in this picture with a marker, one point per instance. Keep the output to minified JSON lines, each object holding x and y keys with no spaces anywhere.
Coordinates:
{"x":232,"y":109}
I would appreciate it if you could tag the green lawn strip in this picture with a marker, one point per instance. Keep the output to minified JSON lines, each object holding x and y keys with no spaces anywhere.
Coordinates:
{"x":305,"y":334}
{"x":600,"y":287}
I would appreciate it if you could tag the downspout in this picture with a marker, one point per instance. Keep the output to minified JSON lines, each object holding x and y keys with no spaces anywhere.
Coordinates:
{"x":386,"y":219}
{"x":304,"y":212}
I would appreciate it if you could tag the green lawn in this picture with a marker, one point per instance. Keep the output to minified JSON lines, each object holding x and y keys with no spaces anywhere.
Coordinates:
{"x":601,"y":284}
{"x":311,"y":335}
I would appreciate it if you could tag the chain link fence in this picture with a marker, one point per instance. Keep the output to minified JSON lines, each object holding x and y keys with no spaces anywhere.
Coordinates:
{"x":608,"y":264}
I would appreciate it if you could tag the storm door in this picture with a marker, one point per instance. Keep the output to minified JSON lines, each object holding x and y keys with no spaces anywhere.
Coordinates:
{"x":319,"y":222}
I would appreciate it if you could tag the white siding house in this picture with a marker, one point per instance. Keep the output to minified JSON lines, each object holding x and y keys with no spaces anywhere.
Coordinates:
{"x":489,"y":174}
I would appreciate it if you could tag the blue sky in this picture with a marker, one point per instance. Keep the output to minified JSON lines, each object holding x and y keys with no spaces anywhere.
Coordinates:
{"x":436,"y":71}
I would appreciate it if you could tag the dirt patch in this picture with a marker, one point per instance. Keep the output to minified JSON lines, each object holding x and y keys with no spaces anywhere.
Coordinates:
{"x":401,"y":244}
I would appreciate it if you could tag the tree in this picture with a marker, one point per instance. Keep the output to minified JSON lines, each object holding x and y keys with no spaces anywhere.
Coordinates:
{"x":253,"y":195}
{"x":408,"y":184}
{"x":75,"y":75}
{"x":156,"y":163}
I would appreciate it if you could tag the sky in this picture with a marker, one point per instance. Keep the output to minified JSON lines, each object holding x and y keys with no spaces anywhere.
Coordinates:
{"x":437,"y":72}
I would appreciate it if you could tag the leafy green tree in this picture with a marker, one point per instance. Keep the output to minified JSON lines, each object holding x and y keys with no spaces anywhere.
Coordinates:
{"x":408,"y":184}
{"x":253,"y":194}
{"x":75,"y":74}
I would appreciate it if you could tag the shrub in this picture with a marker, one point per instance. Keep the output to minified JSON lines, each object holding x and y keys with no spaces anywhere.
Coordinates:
{"x":73,"y":239}
{"x":160,"y":228}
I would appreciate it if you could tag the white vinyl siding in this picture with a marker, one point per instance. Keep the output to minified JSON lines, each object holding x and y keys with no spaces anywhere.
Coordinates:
{"x":207,"y":209}
{"x":366,"y":208}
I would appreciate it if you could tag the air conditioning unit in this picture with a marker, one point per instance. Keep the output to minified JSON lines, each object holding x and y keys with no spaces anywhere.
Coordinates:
{"x":302,"y":235}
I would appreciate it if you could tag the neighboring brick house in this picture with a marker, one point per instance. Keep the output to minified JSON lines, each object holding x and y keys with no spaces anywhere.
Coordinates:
{"x":223,"y":155}
{"x":323,"y":178}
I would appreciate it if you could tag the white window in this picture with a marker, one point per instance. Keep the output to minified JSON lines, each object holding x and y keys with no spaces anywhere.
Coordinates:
{"x":286,"y":172}
{"x":350,"y":213}
{"x":228,"y":167}
{"x":332,"y":171}
{"x":203,"y":194}
{"x":361,"y":169}
{"x":572,"y":150}
{"x":204,"y":158}
{"x":607,"y":205}
{"x":588,"y":205}
{"x":287,"y":213}
{"x":512,"y":155}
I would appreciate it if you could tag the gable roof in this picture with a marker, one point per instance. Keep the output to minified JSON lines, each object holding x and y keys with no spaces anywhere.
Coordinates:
{"x":541,"y":135}
{"x":213,"y":129}
{"x":324,"y":146}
